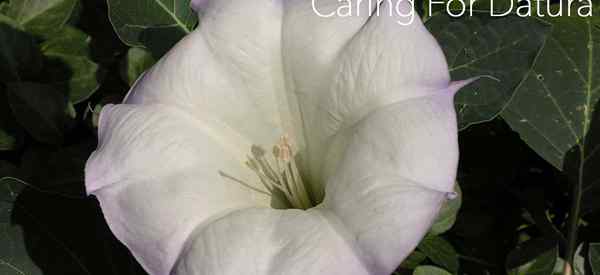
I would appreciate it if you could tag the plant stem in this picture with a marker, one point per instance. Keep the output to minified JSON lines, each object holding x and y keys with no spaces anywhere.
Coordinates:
{"x":574,"y":214}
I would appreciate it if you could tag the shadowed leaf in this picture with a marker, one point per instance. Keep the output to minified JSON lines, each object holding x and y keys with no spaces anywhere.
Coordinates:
{"x":594,"y":258}
{"x":137,"y":61}
{"x":19,"y":55}
{"x":430,"y":270}
{"x":41,"y":17}
{"x":503,"y":49}
{"x":440,"y":252}
{"x":40,"y":109}
{"x":542,"y":265}
{"x":69,"y":49}
{"x":154,"y":24}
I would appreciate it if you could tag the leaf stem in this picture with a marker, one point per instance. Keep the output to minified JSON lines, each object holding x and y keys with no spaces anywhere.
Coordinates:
{"x":574,"y":214}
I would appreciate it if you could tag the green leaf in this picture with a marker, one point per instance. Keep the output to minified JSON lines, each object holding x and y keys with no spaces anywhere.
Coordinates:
{"x":135,"y":63}
{"x":503,"y":49}
{"x":594,"y":258}
{"x":68,"y":51}
{"x":430,"y":270}
{"x":447,"y":216}
{"x":154,"y":24}
{"x":553,"y":107}
{"x":554,"y":111}
{"x":19,"y":55}
{"x":413,"y":260}
{"x":69,"y":41}
{"x":440,"y":252}
{"x":542,"y":265}
{"x":14,"y":257}
{"x":83,"y":82}
{"x":41,"y":17}
{"x":40,"y":109}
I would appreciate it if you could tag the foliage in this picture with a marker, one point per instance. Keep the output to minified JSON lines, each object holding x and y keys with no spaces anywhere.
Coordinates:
{"x":530,"y":138}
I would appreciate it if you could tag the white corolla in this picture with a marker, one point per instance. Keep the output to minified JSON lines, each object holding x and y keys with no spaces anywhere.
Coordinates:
{"x":271,"y":140}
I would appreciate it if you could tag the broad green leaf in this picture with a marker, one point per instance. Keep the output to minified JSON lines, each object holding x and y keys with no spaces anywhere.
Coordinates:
{"x":413,"y":260}
{"x":40,"y":109}
{"x":135,"y":63}
{"x":19,"y":55}
{"x":41,"y":17}
{"x":594,"y":258}
{"x":503,"y":49}
{"x":447,"y":216}
{"x":553,"y":109}
{"x":542,"y":265}
{"x":68,"y":51}
{"x":430,"y":270}
{"x":14,"y":257}
{"x":154,"y":24}
{"x":440,"y":252}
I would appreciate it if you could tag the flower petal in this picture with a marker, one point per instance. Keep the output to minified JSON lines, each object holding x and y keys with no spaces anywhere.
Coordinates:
{"x":383,"y":63}
{"x":156,"y":175}
{"x":398,"y":166}
{"x":230,"y":67}
{"x":270,"y":242}
{"x":313,"y":37}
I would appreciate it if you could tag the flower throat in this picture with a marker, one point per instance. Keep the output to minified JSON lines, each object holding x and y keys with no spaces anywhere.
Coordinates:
{"x":281,"y":179}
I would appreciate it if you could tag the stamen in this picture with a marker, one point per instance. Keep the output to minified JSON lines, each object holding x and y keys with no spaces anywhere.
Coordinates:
{"x":223,"y":174}
{"x":283,"y":176}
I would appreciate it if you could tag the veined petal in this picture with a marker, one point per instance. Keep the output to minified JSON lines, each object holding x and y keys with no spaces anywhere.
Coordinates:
{"x":156,"y":175}
{"x":229,"y":67}
{"x":383,"y":63}
{"x":397,"y":168}
{"x":314,"y":36}
{"x":386,"y":62}
{"x":272,"y":242}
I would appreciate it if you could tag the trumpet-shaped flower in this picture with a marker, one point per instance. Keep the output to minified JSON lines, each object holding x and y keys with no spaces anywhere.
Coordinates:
{"x":271,"y":140}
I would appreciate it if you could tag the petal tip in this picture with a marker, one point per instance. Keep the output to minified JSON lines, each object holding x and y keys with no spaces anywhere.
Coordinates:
{"x":199,"y":5}
{"x":455,"y":86}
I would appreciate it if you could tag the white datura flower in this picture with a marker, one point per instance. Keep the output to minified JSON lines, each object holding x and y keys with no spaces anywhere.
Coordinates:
{"x":271,"y":140}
